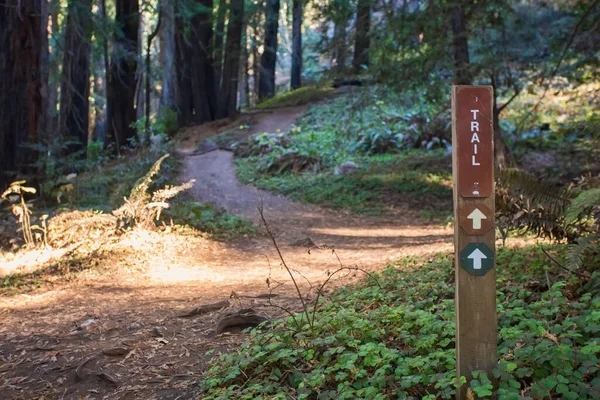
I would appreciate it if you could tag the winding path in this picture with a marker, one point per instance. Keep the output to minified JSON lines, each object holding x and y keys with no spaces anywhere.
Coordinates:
{"x":153,"y":277}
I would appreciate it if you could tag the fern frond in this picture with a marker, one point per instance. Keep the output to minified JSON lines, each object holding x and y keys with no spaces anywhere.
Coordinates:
{"x":582,"y":202}
{"x":140,"y":189}
{"x":538,"y":192}
{"x":578,"y":252}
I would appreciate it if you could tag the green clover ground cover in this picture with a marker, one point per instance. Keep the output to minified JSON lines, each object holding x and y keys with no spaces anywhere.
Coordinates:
{"x":396,"y":341}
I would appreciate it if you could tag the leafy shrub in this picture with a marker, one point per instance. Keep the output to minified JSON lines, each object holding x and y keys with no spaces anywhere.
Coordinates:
{"x":260,"y":144}
{"x":143,"y":208}
{"x":571,"y":213}
{"x":301,"y":96}
{"x":210,"y":220}
{"x":397,"y":341}
{"x":379,"y":142}
{"x":166,"y":122}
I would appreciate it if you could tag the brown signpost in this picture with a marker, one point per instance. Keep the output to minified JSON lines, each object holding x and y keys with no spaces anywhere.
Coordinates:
{"x":474,"y":236}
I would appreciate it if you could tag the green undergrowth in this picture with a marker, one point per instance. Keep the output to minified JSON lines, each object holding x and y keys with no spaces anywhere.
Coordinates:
{"x":103,"y":187}
{"x":206,"y":218}
{"x":398,"y":142}
{"x":396,"y":339}
{"x":420,"y":179}
{"x":298,"y":97}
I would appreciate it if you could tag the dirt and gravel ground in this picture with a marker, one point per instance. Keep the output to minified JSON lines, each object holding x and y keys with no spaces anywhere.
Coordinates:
{"x":114,"y":333}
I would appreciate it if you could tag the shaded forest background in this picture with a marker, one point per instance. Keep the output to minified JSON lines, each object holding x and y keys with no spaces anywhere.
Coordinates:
{"x":85,"y":78}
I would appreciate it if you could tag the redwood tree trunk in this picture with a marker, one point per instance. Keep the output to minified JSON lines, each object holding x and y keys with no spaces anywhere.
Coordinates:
{"x":219,"y":40}
{"x":197,"y":97}
{"x":121,"y":89}
{"x":461,"y":46}
{"x":21,"y":85}
{"x":75,"y":88}
{"x":362,"y":41}
{"x":296,"y":79}
{"x":229,"y":85}
{"x":169,"y":92}
{"x":339,"y":43}
{"x":268,"y":60}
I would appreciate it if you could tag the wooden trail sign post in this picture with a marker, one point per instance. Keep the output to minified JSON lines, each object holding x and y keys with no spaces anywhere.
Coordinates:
{"x":474,"y":234}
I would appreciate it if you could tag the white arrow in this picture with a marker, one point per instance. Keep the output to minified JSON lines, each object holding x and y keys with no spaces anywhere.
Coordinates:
{"x":477,"y":256}
{"x":476,"y":216}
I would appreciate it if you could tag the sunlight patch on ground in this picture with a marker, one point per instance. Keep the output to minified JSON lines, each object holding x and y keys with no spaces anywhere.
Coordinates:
{"x":27,"y":260}
{"x":389,"y":232}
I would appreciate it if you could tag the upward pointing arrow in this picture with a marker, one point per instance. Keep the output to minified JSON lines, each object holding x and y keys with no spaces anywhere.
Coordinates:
{"x":476,"y":216}
{"x":477,"y":255}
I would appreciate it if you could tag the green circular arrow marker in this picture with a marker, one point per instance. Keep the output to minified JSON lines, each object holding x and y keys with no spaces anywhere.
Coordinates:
{"x":477,"y":258}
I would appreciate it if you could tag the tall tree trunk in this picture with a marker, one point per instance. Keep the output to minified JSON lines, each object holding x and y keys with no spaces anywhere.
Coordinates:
{"x":75,"y":88}
{"x":51,"y":124}
{"x":362,"y":40}
{"x":219,"y":40}
{"x":461,"y":46}
{"x":44,"y":124}
{"x":197,"y":100}
{"x":246,"y":70}
{"x":21,"y":86}
{"x":503,"y":156}
{"x":148,"y":87}
{"x":339,"y":43}
{"x":255,"y":71}
{"x":169,"y":94}
{"x":121,"y":88}
{"x":185,"y":105}
{"x":140,"y":79}
{"x":268,"y":61}
{"x":297,"y":12}
{"x":231,"y":67}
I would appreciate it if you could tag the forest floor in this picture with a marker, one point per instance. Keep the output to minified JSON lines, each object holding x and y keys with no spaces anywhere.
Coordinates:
{"x":114,"y":332}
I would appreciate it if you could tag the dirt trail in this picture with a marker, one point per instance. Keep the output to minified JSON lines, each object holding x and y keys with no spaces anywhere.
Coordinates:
{"x":156,"y":276}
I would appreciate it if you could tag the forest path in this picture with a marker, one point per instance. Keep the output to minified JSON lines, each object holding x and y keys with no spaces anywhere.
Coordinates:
{"x":367,"y":241}
{"x":113,"y":332}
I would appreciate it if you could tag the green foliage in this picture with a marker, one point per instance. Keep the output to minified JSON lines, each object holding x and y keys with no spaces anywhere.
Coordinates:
{"x":206,"y":218}
{"x":356,"y":127}
{"x":417,"y":178}
{"x":298,"y":97}
{"x":586,"y":248}
{"x":166,"y":122}
{"x":95,"y":151}
{"x":397,"y":341}
{"x":104,"y":185}
{"x":144,"y":208}
{"x":584,"y":202}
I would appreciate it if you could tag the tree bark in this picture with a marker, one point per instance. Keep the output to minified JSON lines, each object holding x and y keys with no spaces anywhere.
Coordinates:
{"x":362,"y":41}
{"x":169,"y":94}
{"x":339,"y":43}
{"x":75,"y":88}
{"x":255,"y":72}
{"x":228,"y":95}
{"x":51,"y":123}
{"x":219,"y":40}
{"x":148,"y":88}
{"x":297,"y":14}
{"x":460,"y":38}
{"x":21,"y":86}
{"x":197,"y":99}
{"x":268,"y":61}
{"x":121,"y":89}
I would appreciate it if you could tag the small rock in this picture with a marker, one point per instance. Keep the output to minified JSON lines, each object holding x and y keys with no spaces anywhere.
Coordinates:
{"x":347,"y":167}
{"x":115,"y":351}
{"x":307,"y":242}
{"x":156,"y":332}
{"x":134,"y":326}
{"x":86,"y":324}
